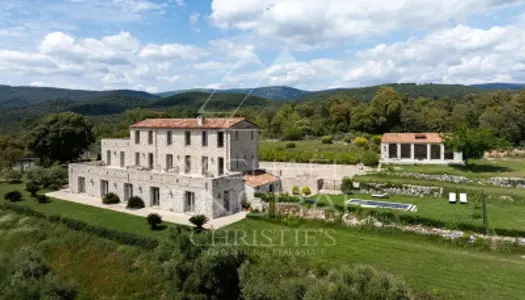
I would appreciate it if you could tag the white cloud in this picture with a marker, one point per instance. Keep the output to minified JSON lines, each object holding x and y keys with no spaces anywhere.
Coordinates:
{"x":454,"y":55}
{"x":37,"y":84}
{"x":171,"y":51}
{"x":321,"y":23}
{"x":211,"y":65}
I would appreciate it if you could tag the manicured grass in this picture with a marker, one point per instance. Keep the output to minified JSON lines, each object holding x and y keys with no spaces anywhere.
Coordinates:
{"x":480,"y":168}
{"x":93,"y":215}
{"x":488,"y":189}
{"x":428,"y":266}
{"x":101,"y":269}
{"x":500,"y":214}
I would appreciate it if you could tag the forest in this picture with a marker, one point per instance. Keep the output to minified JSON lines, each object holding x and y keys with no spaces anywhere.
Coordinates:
{"x":339,"y":113}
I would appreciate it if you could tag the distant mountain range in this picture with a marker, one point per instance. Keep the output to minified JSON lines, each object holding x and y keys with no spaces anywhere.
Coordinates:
{"x":269,"y":92}
{"x":22,"y":96}
{"x":19,"y":96}
{"x":500,"y":86}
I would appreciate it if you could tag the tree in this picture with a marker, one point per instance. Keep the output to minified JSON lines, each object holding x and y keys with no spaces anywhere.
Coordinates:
{"x":386,"y":109}
{"x":61,"y":137}
{"x":11,"y":150}
{"x":32,"y":187}
{"x":473,"y":142}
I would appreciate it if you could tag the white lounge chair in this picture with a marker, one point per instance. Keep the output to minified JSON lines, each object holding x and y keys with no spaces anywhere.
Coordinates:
{"x":463,"y":198}
{"x":452,"y":198}
{"x":382,"y":195}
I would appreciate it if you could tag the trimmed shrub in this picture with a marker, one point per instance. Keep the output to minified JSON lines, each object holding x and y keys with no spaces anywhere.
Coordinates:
{"x":295,"y":190}
{"x":369,"y":158}
{"x":42,"y":199}
{"x":290,"y":145}
{"x":361,"y":142}
{"x":135,"y":203}
{"x":154,"y":220}
{"x":327,"y":139}
{"x":347,"y":185}
{"x":306,"y":191}
{"x":13,"y":196}
{"x":199,"y":221}
{"x":376,"y":139}
{"x":13,"y":176}
{"x":32,"y":188}
{"x":111,"y":198}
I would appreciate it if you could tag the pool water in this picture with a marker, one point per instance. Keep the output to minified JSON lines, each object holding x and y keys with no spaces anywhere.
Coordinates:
{"x":382,"y":204}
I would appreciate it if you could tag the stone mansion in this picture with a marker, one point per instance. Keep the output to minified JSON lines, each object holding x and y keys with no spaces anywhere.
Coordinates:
{"x":196,"y":166}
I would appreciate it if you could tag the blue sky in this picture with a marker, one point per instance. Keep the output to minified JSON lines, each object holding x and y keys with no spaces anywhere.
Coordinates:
{"x":155,"y":45}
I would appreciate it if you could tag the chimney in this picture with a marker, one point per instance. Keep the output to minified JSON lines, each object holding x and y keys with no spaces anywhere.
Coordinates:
{"x":200,"y":120}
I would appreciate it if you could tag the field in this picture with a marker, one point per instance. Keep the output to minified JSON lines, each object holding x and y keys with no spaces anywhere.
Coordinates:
{"x":509,"y":167}
{"x":432,"y":266}
{"x":500,"y":214}
{"x":90,"y":214}
{"x":99,"y":268}
{"x":310,"y":145}
{"x":427,"y":265}
{"x":311,"y":151}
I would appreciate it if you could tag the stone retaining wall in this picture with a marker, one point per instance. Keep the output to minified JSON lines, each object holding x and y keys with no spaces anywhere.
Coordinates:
{"x":407,"y":190}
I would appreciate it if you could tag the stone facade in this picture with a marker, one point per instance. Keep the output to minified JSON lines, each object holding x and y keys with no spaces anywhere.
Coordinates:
{"x":184,"y":170}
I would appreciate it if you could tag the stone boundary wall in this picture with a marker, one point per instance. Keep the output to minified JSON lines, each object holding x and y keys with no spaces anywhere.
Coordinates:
{"x":401,"y":189}
{"x":513,"y":182}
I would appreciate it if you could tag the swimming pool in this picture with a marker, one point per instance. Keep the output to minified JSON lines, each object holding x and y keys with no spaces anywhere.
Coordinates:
{"x":382,"y":204}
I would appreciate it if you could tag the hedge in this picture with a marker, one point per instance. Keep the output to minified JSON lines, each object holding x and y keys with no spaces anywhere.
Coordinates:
{"x":103,"y":232}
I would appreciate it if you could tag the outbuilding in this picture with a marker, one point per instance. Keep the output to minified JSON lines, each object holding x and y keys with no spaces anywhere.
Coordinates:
{"x":417,"y":148}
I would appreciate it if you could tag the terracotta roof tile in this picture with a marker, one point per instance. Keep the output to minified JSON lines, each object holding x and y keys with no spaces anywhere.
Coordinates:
{"x":259,"y":178}
{"x":209,"y":123}
{"x":412,"y":138}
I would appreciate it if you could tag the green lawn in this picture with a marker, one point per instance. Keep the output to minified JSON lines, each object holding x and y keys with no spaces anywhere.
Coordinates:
{"x":501,"y":214}
{"x":454,"y":272}
{"x":479,"y":168}
{"x":518,"y":194}
{"x":93,"y":215}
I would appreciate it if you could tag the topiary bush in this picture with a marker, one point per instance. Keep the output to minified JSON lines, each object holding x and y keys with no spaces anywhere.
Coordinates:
{"x":13,"y":196}
{"x":306,"y":191}
{"x":327,"y":139}
{"x":32,"y":188}
{"x":290,"y":145}
{"x":199,"y":221}
{"x":361,"y":142}
{"x":369,"y":158}
{"x":154,"y":220}
{"x":135,"y":203}
{"x":295,"y":190}
{"x":111,"y":198}
{"x":347,"y":185}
